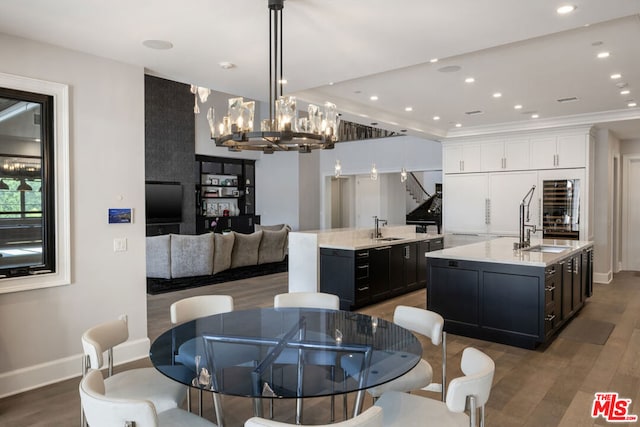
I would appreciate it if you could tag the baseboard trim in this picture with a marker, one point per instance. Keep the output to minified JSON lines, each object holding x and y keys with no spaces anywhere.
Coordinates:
{"x":604,"y":278}
{"x":36,"y":376}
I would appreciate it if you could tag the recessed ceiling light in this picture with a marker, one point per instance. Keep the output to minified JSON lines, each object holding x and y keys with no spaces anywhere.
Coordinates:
{"x":469,"y":80}
{"x":497,"y":95}
{"x":330,"y":83}
{"x":373,"y":98}
{"x":408,"y":109}
{"x":436,"y":117}
{"x":157,"y":44}
{"x":616,"y":76}
{"x":632,"y":104}
{"x":602,"y":55}
{"x":458,"y":125}
{"x":534,"y":116}
{"x":517,"y":107}
{"x":567,"y":8}
{"x":625,"y":92}
{"x":227,"y":65}
{"x":433,"y":60}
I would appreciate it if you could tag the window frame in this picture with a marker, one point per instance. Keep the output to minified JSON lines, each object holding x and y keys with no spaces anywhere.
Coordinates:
{"x":56,"y":217}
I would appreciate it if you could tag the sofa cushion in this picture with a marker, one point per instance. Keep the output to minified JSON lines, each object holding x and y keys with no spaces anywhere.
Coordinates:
{"x":159,"y":256}
{"x":245,"y":249}
{"x":191,"y":255}
{"x":273,"y":246}
{"x":222,"y":254}
{"x":276,"y":227}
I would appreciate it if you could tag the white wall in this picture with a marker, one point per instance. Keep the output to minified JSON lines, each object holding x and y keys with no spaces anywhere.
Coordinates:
{"x":40,"y":329}
{"x":278,"y":189}
{"x":606,"y":146}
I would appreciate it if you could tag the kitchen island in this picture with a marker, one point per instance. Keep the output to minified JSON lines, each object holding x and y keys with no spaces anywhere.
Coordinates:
{"x":492,"y":292}
{"x":358,"y":267}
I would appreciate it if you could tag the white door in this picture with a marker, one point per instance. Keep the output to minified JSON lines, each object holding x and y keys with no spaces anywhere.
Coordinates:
{"x":464,"y":203}
{"x":631,"y":213}
{"x":506,"y":191}
{"x":367,"y":201}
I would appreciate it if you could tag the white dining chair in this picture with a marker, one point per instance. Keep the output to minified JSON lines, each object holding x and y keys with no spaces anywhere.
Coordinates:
{"x":191,"y":308}
{"x":431,"y":325}
{"x":103,"y":410}
{"x":309,"y":300}
{"x":140,"y":383}
{"x":470,"y":391}
{"x":372,"y":417}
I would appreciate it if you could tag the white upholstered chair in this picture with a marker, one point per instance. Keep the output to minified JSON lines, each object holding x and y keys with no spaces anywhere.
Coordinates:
{"x":372,"y":417}
{"x":309,"y":300}
{"x":103,"y":410}
{"x":431,"y":325}
{"x":470,"y":391}
{"x":141,"y":383}
{"x":191,"y":308}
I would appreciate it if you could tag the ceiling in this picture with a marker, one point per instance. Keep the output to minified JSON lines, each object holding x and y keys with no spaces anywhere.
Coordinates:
{"x":346,"y":51}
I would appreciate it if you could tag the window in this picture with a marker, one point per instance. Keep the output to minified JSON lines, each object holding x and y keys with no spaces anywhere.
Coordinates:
{"x":34,"y":208}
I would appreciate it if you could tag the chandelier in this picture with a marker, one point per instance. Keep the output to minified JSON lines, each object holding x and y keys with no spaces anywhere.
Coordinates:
{"x":284,"y":130}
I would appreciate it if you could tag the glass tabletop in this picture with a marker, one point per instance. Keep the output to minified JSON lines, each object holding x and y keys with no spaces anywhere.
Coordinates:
{"x":285,"y":352}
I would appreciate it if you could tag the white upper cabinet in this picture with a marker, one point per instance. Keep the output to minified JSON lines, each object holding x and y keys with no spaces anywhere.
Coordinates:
{"x":460,"y":158}
{"x":569,"y":151}
{"x":505,"y":155}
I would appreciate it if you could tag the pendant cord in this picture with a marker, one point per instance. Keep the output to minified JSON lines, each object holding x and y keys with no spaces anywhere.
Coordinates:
{"x":271,"y":97}
{"x":281,"y":52}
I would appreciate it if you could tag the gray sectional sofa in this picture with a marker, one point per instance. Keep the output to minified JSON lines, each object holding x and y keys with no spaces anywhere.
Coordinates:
{"x":173,"y":256}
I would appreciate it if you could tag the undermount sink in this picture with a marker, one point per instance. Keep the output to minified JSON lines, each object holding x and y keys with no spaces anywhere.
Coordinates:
{"x":547,"y":248}
{"x":389,"y":239}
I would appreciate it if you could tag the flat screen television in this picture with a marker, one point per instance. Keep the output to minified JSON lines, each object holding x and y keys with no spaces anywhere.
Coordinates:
{"x":163,"y":202}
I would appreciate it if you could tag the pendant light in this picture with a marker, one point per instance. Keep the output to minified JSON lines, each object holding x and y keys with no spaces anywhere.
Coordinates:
{"x":337,"y":169}
{"x":374,"y":172}
{"x":24,"y":186}
{"x":3,"y":185}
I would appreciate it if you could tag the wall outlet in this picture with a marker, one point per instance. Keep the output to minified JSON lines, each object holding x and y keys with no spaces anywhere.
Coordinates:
{"x":120,"y":244}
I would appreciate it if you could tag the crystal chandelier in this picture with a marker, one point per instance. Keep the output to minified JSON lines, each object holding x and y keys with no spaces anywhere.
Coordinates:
{"x":283,"y":130}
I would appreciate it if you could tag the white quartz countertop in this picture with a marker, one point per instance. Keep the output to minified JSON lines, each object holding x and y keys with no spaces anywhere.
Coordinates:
{"x":357,"y":243}
{"x":501,"y":251}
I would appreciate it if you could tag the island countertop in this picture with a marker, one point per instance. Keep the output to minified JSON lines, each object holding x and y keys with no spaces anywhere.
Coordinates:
{"x":501,"y":251}
{"x":356,"y":242}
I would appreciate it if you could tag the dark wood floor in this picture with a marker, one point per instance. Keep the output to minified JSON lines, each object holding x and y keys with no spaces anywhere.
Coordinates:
{"x":554,"y":386}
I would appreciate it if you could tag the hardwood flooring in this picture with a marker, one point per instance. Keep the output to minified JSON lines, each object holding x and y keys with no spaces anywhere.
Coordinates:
{"x":552,"y":386}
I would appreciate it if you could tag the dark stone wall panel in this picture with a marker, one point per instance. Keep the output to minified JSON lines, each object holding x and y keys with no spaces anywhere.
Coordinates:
{"x":170,"y":140}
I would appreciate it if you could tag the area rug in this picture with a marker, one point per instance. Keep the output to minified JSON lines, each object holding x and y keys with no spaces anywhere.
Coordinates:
{"x":160,"y":286}
{"x":587,"y":330}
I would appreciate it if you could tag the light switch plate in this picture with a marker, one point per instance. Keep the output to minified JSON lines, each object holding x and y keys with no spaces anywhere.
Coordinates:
{"x":120,"y":244}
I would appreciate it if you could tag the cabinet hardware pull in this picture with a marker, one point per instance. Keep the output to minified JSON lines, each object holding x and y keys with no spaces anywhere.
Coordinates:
{"x":549,"y":317}
{"x":363,"y":266}
{"x":363,"y":255}
{"x":383,"y":248}
{"x":549,"y":288}
{"x":363,"y":289}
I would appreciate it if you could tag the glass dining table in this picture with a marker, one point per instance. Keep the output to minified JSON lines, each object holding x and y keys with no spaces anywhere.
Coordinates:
{"x":286,"y":353}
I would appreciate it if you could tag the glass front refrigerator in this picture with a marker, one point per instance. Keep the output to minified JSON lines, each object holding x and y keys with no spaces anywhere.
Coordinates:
{"x":561,"y":209}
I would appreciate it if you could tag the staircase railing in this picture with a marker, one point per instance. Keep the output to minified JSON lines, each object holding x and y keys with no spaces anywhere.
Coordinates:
{"x":415,"y":189}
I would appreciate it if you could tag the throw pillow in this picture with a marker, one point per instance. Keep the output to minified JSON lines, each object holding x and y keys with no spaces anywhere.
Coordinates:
{"x":245,"y":249}
{"x":272,"y":246}
{"x":191,"y":255}
{"x":159,"y":256}
{"x":222,"y":254}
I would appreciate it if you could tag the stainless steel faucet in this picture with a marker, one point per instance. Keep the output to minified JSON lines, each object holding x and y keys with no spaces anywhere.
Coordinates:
{"x":376,"y":233}
{"x":525,"y":237}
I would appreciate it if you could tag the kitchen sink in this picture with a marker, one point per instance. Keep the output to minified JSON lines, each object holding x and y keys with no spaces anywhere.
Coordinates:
{"x":547,"y":248}
{"x":389,"y":239}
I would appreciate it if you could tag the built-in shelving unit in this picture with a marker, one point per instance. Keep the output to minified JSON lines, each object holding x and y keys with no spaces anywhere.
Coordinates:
{"x":225,"y":195}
